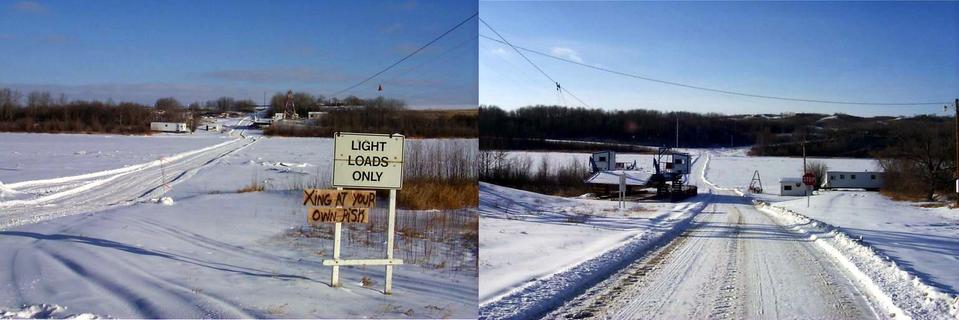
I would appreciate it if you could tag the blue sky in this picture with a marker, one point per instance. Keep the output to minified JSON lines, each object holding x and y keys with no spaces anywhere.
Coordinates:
{"x":874,"y":52}
{"x":197,"y":50}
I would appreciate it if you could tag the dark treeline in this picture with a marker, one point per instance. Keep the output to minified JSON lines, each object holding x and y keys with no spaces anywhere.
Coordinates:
{"x":645,"y":127}
{"x":40,"y":112}
{"x":379,"y":115}
{"x":769,"y":134}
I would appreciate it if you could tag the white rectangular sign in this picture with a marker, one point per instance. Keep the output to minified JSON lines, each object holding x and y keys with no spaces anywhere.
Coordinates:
{"x":368,"y":160}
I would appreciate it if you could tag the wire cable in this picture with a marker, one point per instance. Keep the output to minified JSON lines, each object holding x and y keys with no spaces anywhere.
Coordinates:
{"x":504,"y":41}
{"x":745,"y":94}
{"x":407,"y":56}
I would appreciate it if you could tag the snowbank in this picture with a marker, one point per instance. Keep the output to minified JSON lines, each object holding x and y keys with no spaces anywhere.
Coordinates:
{"x":44,"y":311}
{"x":899,"y":293}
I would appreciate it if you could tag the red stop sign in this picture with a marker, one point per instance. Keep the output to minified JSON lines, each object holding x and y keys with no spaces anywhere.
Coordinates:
{"x":809,"y":179}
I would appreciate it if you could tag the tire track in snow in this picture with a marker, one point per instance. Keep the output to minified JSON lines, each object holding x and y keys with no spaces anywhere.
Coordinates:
{"x":123,"y":188}
{"x":128,"y":284}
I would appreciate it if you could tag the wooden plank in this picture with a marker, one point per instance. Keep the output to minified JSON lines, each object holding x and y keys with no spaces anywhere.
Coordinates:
{"x":318,"y":215}
{"x":363,"y":262}
{"x":339,"y":198}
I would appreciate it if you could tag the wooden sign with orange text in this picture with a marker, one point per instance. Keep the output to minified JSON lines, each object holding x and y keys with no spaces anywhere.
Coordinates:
{"x":317,"y":215}
{"x":338,"y":206}
{"x":339,"y":198}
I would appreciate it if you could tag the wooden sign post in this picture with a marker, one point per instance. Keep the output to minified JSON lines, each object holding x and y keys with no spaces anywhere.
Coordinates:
{"x":360,"y":160}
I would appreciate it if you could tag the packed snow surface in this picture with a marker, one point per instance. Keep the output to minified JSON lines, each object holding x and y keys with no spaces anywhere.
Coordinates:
{"x":108,"y":244}
{"x":33,"y":156}
{"x":526,"y":236}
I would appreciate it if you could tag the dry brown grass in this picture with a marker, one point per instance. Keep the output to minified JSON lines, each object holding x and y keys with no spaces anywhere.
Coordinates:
{"x":423,"y":194}
{"x":367,"y":282}
{"x":254,"y":186}
{"x":902,"y":196}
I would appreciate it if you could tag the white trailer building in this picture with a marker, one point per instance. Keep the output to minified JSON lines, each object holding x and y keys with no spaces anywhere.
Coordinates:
{"x":792,"y":187}
{"x":869,"y":180}
{"x":169,"y":127}
{"x":315,"y":115}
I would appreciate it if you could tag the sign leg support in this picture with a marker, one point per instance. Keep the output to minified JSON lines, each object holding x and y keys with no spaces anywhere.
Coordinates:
{"x":336,"y":255}
{"x":390,"y":227}
{"x":335,"y":282}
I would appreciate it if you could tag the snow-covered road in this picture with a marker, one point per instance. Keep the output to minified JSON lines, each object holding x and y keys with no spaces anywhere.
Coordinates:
{"x":738,"y":259}
{"x":733,"y":262}
{"x":40,"y":200}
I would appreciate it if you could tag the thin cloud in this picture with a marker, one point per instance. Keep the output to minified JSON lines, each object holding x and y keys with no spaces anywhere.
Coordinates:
{"x":567,"y":53}
{"x":499,"y":52}
{"x":392,"y":28}
{"x":30,"y":7}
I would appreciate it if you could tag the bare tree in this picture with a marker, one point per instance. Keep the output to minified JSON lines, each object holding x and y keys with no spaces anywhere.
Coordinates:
{"x":818,"y":168}
{"x":918,"y":162}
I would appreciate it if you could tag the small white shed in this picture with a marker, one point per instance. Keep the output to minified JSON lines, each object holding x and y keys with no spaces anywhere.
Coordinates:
{"x":792,"y":187}
{"x":603,"y":160}
{"x":168,"y":127}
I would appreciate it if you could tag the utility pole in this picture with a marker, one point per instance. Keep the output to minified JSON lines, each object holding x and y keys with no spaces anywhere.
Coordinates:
{"x":804,"y":170}
{"x":956,"y":106}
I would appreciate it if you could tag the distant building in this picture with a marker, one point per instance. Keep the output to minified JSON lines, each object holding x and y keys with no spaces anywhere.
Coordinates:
{"x":210,"y":127}
{"x":869,"y":180}
{"x":316,"y":115}
{"x":603,"y":161}
{"x":169,"y":127}
{"x":792,"y":187}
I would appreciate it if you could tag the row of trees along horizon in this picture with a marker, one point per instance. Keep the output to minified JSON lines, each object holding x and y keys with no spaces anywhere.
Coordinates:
{"x":41,"y":111}
{"x":916,"y":153}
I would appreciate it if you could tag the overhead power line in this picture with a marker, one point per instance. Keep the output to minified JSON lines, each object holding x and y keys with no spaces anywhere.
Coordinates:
{"x":673,"y":83}
{"x":504,"y":41}
{"x":407,"y":56}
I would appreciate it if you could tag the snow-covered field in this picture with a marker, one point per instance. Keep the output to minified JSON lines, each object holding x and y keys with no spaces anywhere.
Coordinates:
{"x":33,"y":156}
{"x":737,"y":171}
{"x":214,"y":252}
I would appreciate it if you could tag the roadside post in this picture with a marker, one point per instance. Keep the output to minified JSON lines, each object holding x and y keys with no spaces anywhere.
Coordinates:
{"x":622,"y":190}
{"x":366,"y":161}
{"x":805,"y":171}
{"x":808,"y":179}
